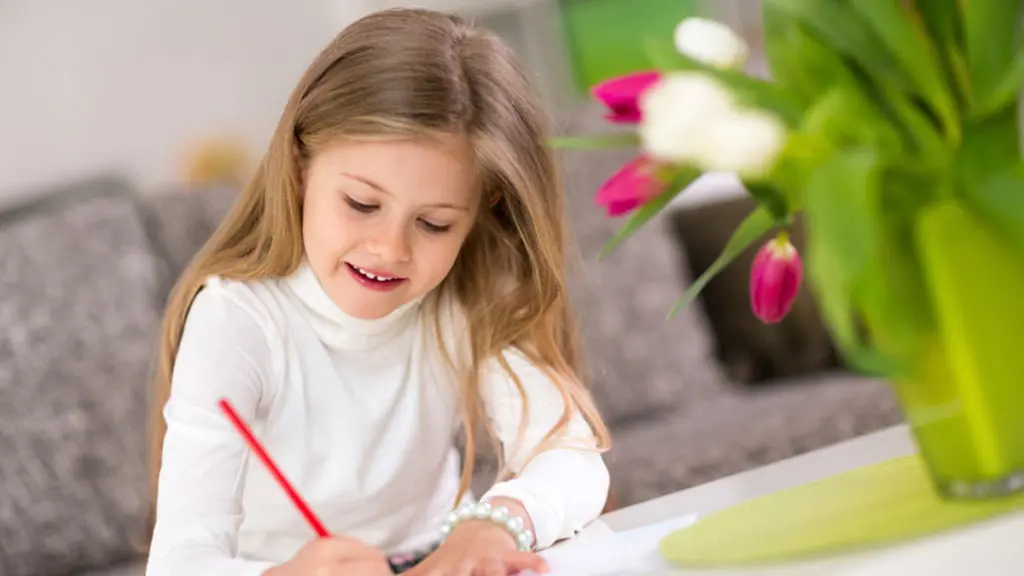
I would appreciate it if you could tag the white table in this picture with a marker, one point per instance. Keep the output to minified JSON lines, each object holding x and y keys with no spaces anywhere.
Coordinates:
{"x":994,"y":548}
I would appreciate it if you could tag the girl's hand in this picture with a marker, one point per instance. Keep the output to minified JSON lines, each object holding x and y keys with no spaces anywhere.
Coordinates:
{"x":334,"y":556}
{"x":478,"y":548}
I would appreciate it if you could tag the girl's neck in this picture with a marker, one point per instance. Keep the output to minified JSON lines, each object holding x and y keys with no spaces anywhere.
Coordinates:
{"x":335,"y":327}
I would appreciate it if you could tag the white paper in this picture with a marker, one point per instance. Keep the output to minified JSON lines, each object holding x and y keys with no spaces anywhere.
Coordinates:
{"x":616,"y":553}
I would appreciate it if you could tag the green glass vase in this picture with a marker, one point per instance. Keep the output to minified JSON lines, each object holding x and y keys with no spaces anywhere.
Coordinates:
{"x":965,"y":404}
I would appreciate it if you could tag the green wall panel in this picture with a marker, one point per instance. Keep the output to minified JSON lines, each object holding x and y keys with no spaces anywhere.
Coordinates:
{"x":605,"y":37}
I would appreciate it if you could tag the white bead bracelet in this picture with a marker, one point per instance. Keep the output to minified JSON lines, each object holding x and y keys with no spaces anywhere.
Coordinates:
{"x":483,"y":511}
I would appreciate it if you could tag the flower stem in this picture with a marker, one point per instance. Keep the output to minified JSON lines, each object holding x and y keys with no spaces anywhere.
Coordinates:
{"x":782,"y":238}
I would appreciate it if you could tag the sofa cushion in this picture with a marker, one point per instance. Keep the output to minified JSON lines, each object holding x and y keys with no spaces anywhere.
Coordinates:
{"x":180,"y":222}
{"x":639,"y":362}
{"x":78,"y":325}
{"x":741,"y":431}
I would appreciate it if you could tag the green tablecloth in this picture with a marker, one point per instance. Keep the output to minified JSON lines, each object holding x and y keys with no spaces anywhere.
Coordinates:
{"x":868,"y":507}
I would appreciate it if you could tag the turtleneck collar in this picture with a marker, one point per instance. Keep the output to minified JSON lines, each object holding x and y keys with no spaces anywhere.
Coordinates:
{"x":337,"y":329}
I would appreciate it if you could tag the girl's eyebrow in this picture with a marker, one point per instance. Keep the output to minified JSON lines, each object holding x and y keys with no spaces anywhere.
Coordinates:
{"x":366,"y":181}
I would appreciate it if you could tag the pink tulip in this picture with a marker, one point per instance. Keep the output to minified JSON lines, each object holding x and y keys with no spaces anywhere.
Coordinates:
{"x":775,"y":278}
{"x":629,"y":188}
{"x":622,"y":94}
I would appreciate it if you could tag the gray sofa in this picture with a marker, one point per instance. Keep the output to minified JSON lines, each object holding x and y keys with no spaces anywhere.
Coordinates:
{"x":84,"y":273}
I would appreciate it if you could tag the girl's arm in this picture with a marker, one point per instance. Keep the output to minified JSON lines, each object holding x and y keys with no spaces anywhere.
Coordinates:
{"x":223,"y":353}
{"x":561,"y":489}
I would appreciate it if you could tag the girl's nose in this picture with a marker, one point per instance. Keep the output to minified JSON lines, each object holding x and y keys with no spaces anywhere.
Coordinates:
{"x":391,"y":245}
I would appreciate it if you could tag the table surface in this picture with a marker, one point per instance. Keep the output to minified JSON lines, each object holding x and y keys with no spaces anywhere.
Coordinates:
{"x":990,"y":548}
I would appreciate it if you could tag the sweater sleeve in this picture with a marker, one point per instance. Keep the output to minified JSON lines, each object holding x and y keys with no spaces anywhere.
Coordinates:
{"x":562,"y":488}
{"x":223,"y":354}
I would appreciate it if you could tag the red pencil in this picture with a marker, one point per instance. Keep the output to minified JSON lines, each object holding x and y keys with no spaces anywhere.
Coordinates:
{"x":257,"y":447}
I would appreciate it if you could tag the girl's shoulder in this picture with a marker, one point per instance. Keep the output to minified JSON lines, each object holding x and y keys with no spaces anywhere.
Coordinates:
{"x":233,"y":318}
{"x":241,"y":307}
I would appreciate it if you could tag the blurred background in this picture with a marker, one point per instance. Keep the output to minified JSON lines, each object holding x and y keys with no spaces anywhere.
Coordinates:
{"x":136,"y":87}
{"x":126,"y":130}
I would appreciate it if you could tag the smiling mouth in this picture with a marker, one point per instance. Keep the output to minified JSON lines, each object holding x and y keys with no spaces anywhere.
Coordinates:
{"x":372,"y":276}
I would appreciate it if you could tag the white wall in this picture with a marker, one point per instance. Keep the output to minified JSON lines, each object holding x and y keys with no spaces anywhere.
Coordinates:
{"x":129,"y":84}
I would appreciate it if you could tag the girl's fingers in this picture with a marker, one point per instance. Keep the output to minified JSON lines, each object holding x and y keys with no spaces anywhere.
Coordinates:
{"x":346,"y":549}
{"x":491,"y":567}
{"x":518,"y":561}
{"x":422,"y":569}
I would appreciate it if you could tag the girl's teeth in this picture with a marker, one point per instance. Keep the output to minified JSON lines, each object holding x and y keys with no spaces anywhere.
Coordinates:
{"x":373,"y":277}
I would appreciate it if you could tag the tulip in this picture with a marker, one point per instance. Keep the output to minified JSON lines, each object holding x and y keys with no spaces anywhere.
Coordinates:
{"x":622,"y":94}
{"x":677,"y":112}
{"x":629,"y":188}
{"x":747,"y":142}
{"x":775,"y":279}
{"x":692,"y":118}
{"x":711,"y":43}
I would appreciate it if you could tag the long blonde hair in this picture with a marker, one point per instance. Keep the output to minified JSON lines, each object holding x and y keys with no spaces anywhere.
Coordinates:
{"x":401,"y":73}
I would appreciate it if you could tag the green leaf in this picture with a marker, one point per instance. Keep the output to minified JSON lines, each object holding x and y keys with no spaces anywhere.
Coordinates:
{"x":922,"y":134}
{"x":842,"y":236}
{"x":840,"y":200}
{"x":1004,"y":94}
{"x":597,"y":141}
{"x":892,"y":300}
{"x":838,"y":27}
{"x":999,"y":200}
{"x":858,"y":43}
{"x":754,"y":226}
{"x":802,"y":152}
{"x":906,"y":39}
{"x":941,"y":19}
{"x":771,"y":197}
{"x":770,"y":96}
{"x":845,"y":118}
{"x":650,"y":209}
{"x":799,"y":60}
{"x":992,"y":38}
{"x":891,"y":291}
{"x":990,"y":146}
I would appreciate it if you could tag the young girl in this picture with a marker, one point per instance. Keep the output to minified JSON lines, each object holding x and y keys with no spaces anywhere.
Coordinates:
{"x":394,"y":269}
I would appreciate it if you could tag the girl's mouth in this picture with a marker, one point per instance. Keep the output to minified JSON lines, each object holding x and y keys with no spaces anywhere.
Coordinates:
{"x":374,"y":280}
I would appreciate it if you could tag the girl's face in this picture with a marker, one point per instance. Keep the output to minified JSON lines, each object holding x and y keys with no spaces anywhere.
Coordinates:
{"x":382,"y":222}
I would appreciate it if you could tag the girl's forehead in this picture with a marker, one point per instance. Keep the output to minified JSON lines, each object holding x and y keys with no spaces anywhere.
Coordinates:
{"x":439,"y":171}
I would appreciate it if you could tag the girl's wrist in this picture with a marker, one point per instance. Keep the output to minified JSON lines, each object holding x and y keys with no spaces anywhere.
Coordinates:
{"x":515,"y":508}
{"x":498,"y":513}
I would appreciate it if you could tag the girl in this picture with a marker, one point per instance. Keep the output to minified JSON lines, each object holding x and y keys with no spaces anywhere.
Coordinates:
{"x":394,"y":268}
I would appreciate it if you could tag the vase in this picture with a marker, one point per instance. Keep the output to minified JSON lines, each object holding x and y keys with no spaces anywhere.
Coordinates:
{"x":965,"y":401}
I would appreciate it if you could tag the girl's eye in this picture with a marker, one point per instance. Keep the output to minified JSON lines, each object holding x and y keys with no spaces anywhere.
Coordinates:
{"x":359,"y":206}
{"x":435,"y":228}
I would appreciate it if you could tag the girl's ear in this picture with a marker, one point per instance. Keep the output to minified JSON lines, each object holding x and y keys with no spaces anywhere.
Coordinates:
{"x":495,"y":198}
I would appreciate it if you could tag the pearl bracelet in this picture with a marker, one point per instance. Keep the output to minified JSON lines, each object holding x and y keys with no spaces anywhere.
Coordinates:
{"x":483,"y":511}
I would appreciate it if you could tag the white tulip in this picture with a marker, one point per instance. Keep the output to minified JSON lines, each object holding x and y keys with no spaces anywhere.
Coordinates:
{"x":711,"y":43}
{"x":676,"y":112}
{"x":745,"y":142}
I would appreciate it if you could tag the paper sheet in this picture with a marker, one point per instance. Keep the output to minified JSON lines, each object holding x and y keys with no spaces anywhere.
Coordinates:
{"x":614,"y":553}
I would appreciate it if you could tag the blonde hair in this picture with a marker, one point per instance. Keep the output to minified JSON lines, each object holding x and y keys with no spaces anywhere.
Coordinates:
{"x":414,"y":73}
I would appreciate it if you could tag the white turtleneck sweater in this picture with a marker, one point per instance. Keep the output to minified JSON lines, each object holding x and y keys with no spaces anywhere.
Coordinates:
{"x":361,"y":417}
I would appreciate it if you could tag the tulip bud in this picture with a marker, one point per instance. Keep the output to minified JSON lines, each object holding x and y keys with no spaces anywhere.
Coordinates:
{"x":629,"y":188}
{"x":775,"y":278}
{"x":711,"y":43}
{"x":622,"y":94}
